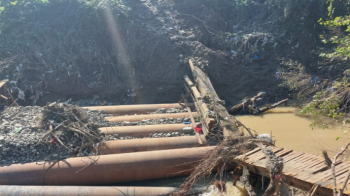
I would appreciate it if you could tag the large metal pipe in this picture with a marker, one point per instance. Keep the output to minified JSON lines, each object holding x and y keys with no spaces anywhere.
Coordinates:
{"x":84,"y":190}
{"x":134,"y":118}
{"x":106,"y":169}
{"x":149,"y":144}
{"x":135,"y":109}
{"x":145,"y":130}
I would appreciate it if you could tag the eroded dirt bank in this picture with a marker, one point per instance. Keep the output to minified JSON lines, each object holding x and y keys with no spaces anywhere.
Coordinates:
{"x":143,"y":56}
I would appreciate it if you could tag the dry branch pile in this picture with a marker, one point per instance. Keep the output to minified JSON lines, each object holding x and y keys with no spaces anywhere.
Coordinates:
{"x":69,"y":126}
{"x":219,"y":159}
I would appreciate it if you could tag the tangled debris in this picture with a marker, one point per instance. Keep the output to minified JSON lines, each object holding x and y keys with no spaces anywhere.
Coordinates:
{"x":60,"y":130}
{"x":70,"y":127}
{"x":57,"y":131}
{"x":219,"y":159}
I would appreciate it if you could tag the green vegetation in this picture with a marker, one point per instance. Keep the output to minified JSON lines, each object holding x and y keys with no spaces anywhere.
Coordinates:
{"x":339,"y":32}
{"x":334,"y":102}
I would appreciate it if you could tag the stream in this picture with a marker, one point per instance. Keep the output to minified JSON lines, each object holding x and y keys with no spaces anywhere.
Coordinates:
{"x":292,"y":131}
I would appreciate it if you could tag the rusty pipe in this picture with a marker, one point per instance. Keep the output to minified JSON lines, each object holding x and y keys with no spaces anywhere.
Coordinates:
{"x":134,"y":109}
{"x":149,"y":144}
{"x":134,"y":118}
{"x":145,"y":130}
{"x":106,"y":169}
{"x":83,"y":190}
{"x":88,"y":190}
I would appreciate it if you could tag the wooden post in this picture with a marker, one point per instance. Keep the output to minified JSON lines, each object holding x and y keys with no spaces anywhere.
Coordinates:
{"x":193,"y":122}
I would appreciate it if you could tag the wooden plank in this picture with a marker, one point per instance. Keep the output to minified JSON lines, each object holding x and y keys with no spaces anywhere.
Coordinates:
{"x":262,"y":156}
{"x":193,"y":122}
{"x":341,"y":178}
{"x":206,"y":86}
{"x":300,"y":166}
{"x":292,"y":156}
{"x":193,"y":88}
{"x":189,"y":81}
{"x":283,"y":153}
{"x":310,"y":160}
{"x":310,"y":170}
{"x":319,"y":177}
{"x":2,"y":96}
{"x":343,"y":168}
{"x":3,"y":82}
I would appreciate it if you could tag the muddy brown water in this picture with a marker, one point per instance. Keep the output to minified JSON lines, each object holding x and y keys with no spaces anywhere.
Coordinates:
{"x":292,"y":131}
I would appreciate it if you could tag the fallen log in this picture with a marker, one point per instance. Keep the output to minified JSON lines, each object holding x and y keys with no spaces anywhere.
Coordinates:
{"x":248,"y":106}
{"x":273,"y":105}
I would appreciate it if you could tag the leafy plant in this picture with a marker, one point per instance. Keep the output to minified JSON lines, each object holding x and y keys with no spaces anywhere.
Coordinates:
{"x":339,"y":28}
{"x":333,"y":102}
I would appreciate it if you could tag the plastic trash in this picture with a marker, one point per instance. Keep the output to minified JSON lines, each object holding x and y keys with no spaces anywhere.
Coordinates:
{"x":233,"y":52}
{"x":265,"y":137}
{"x":315,"y":80}
{"x":21,"y":94}
{"x":187,"y":123}
{"x":256,"y":56}
{"x":15,"y":131}
{"x":277,"y":74}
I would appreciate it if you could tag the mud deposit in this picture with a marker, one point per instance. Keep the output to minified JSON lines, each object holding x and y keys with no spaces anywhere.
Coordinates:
{"x":294,"y":132}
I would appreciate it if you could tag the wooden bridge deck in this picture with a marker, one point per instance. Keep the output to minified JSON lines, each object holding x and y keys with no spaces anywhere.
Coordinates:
{"x":301,"y":170}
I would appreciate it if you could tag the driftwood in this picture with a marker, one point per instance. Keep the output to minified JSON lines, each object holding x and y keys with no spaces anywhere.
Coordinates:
{"x":248,"y":106}
{"x":340,"y":191}
{"x":273,"y":105}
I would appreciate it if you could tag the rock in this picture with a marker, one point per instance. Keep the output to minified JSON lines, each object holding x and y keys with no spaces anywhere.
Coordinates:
{"x":187,"y":119}
{"x":145,"y":121}
{"x":179,"y":120}
{"x":168,"y":135}
{"x":102,"y":111}
{"x":162,"y":110}
{"x":187,"y":129}
{"x":126,"y":123}
{"x":265,"y":137}
{"x":23,"y":149}
{"x":171,"y":110}
{"x":4,"y":123}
